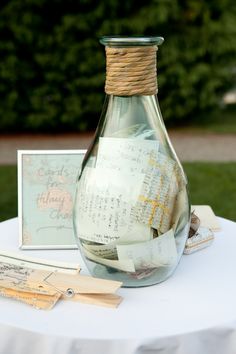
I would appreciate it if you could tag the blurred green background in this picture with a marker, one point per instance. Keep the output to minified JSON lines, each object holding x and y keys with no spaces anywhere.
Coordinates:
{"x":53,"y":67}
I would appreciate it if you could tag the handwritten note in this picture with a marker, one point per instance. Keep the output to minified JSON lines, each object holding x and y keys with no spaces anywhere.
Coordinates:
{"x":47,"y":188}
{"x":158,"y":252}
{"x":130,"y":155}
{"x":126,"y":265}
{"x":105,"y":200}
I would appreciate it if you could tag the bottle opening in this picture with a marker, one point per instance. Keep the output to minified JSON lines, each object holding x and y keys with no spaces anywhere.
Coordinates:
{"x":125,"y":41}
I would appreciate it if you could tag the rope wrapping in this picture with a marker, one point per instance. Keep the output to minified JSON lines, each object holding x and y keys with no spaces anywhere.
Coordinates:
{"x":131,"y":71}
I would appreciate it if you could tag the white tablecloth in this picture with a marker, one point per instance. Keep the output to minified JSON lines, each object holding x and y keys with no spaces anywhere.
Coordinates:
{"x":193,"y":312}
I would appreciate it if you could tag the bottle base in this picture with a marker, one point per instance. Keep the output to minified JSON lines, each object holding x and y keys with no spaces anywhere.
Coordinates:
{"x":139,"y":279}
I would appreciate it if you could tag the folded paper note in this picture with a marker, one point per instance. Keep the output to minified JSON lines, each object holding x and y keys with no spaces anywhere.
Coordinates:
{"x":105,"y":207}
{"x":207,"y":217}
{"x":159,"y":252}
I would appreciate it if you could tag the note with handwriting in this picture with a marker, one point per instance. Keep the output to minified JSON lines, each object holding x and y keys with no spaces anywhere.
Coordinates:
{"x":141,"y":234}
{"x":126,"y":265}
{"x":46,"y":187}
{"x":159,"y":252}
{"x":130,"y":155}
{"x":105,"y":200}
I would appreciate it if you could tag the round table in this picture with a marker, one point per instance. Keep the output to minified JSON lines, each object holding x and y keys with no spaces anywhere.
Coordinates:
{"x":192,"y":312}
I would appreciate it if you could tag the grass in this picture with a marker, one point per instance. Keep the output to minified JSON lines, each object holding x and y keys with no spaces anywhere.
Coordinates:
{"x":209,"y":183}
{"x":222,"y":121}
{"x":8,"y":192}
{"x":213,"y":184}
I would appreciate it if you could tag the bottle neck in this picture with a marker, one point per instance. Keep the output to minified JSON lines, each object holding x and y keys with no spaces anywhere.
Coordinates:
{"x":131,"y":71}
{"x":130,"y":115}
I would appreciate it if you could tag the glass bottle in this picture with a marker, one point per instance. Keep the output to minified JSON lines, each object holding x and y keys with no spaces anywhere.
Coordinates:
{"x":131,"y":212}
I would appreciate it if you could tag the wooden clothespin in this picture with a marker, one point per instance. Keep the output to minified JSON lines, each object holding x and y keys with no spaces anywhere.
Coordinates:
{"x":85,"y":288}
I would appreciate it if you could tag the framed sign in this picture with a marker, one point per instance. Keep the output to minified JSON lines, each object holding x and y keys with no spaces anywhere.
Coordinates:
{"x":46,"y":191}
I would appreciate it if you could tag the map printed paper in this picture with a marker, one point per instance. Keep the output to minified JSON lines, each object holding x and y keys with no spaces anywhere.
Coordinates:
{"x":17,"y":278}
{"x":157,"y":197}
{"x":39,"y":301}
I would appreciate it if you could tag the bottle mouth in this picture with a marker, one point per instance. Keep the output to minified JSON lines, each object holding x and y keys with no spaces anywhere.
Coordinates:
{"x":125,"y":41}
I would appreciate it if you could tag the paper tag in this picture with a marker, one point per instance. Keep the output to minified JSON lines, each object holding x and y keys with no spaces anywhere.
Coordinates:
{"x":38,"y":263}
{"x":18,"y":278}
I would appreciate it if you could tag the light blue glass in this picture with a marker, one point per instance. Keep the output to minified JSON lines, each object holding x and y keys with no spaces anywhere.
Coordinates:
{"x":131,"y":213}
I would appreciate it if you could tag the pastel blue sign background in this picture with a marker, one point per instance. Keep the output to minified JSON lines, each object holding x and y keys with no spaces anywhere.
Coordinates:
{"x":48,"y":183}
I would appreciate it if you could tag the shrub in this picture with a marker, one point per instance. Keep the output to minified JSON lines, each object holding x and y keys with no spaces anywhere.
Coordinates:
{"x":53,"y":68}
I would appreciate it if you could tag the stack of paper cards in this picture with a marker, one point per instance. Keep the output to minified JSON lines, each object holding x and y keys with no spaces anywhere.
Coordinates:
{"x":203,"y":223}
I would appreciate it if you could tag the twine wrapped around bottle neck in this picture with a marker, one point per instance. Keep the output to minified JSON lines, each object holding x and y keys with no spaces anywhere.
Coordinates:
{"x":131,"y":71}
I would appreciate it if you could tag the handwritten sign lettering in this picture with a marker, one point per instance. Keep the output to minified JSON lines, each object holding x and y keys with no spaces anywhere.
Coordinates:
{"x":47,"y":183}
